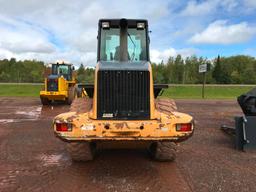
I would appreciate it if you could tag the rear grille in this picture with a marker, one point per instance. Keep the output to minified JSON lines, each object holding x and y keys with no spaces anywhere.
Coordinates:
{"x":52,"y":84}
{"x":123,"y":95}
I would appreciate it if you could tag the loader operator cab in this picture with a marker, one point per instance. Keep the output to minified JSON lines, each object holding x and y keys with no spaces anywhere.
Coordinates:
{"x":63,"y":69}
{"x":124,"y":71}
{"x":123,"y":40}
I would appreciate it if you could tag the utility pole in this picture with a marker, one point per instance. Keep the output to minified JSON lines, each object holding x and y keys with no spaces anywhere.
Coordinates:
{"x":204,"y":81}
{"x":203,"y":69}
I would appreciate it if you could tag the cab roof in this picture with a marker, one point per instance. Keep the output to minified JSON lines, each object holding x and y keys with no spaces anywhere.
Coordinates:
{"x":61,"y":63}
{"x":130,"y":22}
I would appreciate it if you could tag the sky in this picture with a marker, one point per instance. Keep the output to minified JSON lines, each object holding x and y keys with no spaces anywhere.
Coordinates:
{"x":50,"y":30}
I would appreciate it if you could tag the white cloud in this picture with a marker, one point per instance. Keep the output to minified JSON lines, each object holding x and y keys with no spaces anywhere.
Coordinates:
{"x":250,"y":4}
{"x":229,"y":4}
{"x":159,"y":56}
{"x":208,"y":7}
{"x":5,"y":54}
{"x":22,"y":43}
{"x":75,"y":57}
{"x":62,"y":28}
{"x":194,"y":8}
{"x":219,"y":32}
{"x":20,"y":37}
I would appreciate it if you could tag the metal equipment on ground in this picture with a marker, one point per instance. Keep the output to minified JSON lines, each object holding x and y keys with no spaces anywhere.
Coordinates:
{"x":245,"y":126}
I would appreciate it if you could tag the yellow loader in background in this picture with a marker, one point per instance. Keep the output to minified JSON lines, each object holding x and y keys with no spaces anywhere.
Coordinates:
{"x":59,"y":85}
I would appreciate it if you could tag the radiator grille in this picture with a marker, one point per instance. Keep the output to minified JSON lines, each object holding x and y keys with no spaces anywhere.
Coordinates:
{"x":52,"y":84}
{"x":123,"y":95}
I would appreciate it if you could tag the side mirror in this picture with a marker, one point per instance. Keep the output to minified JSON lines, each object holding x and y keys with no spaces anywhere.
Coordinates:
{"x":73,"y":68}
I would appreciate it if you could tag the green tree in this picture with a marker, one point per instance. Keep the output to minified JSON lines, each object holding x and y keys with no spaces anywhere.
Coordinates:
{"x":81,"y":73}
{"x":217,"y":72}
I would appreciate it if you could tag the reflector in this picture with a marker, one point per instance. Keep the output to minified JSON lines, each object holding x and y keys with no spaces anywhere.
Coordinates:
{"x":63,"y":127}
{"x":184,"y":127}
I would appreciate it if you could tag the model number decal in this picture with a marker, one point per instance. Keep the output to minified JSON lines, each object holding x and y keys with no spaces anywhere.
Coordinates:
{"x":107,"y":115}
{"x":87,"y":127}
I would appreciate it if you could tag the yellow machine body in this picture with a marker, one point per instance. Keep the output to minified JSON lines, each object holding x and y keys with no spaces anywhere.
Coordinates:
{"x":122,"y":106}
{"x":59,"y":84}
{"x":62,"y":93}
{"x":160,"y":126}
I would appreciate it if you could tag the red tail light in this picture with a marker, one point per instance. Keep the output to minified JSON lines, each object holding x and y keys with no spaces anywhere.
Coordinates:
{"x":64,"y":127}
{"x":184,"y":127}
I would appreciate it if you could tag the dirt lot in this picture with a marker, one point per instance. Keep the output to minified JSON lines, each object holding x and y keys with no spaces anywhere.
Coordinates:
{"x":32,"y":159}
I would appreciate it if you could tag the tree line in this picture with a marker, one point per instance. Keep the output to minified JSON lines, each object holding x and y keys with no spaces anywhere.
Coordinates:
{"x":239,"y":69}
{"x":28,"y":71}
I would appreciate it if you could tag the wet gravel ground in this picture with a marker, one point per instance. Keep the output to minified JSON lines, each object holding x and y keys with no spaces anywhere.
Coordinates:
{"x":32,"y":159}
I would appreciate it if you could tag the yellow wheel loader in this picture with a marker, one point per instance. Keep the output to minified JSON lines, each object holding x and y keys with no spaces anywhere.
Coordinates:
{"x":59,"y":85}
{"x":122,"y":105}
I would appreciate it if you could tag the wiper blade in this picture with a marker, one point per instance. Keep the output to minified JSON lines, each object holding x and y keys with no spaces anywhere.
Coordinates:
{"x":134,"y":46}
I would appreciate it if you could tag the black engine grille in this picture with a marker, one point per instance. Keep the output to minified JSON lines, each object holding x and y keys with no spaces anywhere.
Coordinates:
{"x":123,"y":95}
{"x":52,"y":84}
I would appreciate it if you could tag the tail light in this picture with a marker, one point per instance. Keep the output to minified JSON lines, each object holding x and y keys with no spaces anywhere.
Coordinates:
{"x":64,"y":127}
{"x":184,"y":127}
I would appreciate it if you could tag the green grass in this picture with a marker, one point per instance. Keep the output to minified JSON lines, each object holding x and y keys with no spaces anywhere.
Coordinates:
{"x":211,"y":92}
{"x":21,"y":90}
{"x":176,"y":92}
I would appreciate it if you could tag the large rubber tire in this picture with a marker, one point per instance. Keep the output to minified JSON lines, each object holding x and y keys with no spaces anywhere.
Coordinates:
{"x":45,"y":101}
{"x":81,"y":151}
{"x":165,"y":105}
{"x":163,"y":150}
{"x":71,"y":95}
